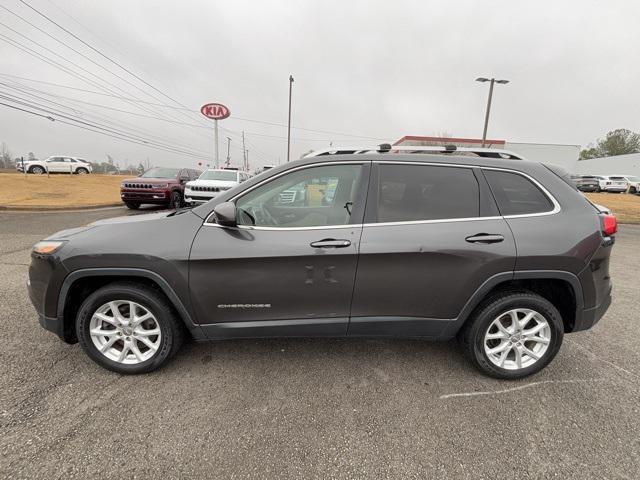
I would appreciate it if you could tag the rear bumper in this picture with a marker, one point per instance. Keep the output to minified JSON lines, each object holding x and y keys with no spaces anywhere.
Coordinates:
{"x":588,"y":188}
{"x":591,"y":316}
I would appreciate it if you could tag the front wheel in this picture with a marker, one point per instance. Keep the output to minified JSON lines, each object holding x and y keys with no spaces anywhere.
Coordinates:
{"x":82,"y":171}
{"x":132,"y":205}
{"x":128,"y":328}
{"x":513,"y":335}
{"x":175,"y":200}
{"x":37,"y":170}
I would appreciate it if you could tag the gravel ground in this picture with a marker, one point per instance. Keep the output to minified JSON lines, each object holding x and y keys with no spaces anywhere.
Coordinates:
{"x":313,"y":408}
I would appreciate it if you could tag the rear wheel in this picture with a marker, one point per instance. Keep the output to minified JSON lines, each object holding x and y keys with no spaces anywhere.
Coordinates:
{"x":128,"y":328}
{"x":38,"y":170}
{"x":513,"y":335}
{"x":132,"y":205}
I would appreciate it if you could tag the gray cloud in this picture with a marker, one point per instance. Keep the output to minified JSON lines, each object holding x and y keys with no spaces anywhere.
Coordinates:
{"x":380,"y":69}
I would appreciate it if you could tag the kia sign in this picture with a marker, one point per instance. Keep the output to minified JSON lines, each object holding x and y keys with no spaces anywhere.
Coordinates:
{"x":215,"y":111}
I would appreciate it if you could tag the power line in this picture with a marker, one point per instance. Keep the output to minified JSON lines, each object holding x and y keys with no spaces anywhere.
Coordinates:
{"x":264,"y":122}
{"x":102,"y":54}
{"x":27,"y":91}
{"x":99,"y":127}
{"x":84,"y":56}
{"x":61,"y":67}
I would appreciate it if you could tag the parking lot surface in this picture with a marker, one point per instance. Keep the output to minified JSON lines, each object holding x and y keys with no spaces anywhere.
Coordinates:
{"x":313,"y":408}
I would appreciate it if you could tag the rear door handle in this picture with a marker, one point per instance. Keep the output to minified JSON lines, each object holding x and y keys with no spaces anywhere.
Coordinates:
{"x":485,"y":238}
{"x":330,"y":243}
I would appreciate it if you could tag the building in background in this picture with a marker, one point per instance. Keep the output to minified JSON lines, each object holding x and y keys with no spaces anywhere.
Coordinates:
{"x":618,"y":165}
{"x":565,"y":156}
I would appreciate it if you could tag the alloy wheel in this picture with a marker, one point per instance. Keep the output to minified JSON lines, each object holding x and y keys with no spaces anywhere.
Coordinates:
{"x":517,"y":339}
{"x":125,"y":332}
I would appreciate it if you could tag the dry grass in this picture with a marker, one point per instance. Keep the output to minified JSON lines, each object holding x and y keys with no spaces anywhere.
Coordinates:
{"x":59,"y":190}
{"x":625,"y":207}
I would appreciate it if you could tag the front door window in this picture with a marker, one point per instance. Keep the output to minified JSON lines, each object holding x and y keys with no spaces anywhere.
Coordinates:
{"x":311,"y":197}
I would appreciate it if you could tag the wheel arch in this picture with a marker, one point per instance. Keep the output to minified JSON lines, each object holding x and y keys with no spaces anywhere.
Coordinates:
{"x":562,"y":289}
{"x":81,"y":283}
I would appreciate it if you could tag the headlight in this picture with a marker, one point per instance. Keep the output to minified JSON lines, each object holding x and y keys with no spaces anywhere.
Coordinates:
{"x":160,"y":185}
{"x":47,"y":248}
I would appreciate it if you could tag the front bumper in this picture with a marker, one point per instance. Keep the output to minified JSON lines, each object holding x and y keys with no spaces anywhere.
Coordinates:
{"x":144,"y":196}
{"x":199,"y":197}
{"x":614,"y":189}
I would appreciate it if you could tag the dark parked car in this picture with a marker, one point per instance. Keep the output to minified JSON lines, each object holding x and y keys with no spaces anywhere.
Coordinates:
{"x":504,"y":254}
{"x":586,"y":183}
{"x":157,"y":186}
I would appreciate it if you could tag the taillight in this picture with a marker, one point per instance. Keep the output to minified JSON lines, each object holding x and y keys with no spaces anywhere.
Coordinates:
{"x":609,"y":225}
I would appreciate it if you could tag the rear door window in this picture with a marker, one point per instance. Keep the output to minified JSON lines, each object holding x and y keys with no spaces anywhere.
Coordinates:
{"x":516,"y":194}
{"x":426,"y":192}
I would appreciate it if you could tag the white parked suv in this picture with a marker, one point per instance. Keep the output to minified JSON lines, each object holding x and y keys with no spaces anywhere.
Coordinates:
{"x":211,"y":183}
{"x":56,"y":164}
{"x":633,"y":183}
{"x":612,"y":183}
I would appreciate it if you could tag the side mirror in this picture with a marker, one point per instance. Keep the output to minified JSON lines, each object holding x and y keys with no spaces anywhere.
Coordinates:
{"x":184,"y":178}
{"x":226,"y":214}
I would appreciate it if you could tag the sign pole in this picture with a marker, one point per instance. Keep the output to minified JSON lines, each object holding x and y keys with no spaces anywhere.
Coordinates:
{"x":215,"y":111}
{"x":216,"y":129}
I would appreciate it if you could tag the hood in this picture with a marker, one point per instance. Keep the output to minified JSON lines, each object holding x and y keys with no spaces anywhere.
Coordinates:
{"x":212,"y":183}
{"x":145,"y":217}
{"x":150,"y":180}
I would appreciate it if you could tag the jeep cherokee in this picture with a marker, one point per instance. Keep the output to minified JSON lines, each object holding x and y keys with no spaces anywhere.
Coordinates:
{"x":157,"y":186}
{"x":505,"y":255}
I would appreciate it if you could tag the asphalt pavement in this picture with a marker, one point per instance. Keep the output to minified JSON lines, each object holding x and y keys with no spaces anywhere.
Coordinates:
{"x":313,"y":408}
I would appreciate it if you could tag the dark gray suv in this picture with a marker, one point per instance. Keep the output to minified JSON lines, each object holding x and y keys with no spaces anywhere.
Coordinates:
{"x":504,"y":254}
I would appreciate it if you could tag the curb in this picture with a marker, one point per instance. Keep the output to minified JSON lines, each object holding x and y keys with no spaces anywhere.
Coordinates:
{"x":48,"y":208}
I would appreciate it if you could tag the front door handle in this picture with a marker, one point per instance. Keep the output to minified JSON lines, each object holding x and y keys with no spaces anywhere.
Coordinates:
{"x":485,"y":238}
{"x":330,"y":243}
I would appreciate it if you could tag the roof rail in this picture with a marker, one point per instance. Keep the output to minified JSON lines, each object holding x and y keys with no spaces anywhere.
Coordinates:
{"x":444,"y":149}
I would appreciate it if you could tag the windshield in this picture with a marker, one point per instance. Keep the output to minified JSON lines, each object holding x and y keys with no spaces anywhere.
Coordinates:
{"x":225,"y":175}
{"x":616,"y":178}
{"x":633,"y":179}
{"x":161,"y":173}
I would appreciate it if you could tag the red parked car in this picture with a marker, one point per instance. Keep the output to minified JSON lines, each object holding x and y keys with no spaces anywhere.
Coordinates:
{"x":158,"y":186}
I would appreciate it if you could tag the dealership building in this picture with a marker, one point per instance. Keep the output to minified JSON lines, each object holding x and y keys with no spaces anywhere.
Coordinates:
{"x":565,"y":156}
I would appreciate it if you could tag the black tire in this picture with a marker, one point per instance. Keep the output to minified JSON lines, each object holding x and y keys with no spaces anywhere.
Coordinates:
{"x":176,"y":200}
{"x":171,"y":327}
{"x":472,"y":335}
{"x":132,"y":205}
{"x":37,"y":170}
{"x":82,"y":171}
{"x":633,"y":190}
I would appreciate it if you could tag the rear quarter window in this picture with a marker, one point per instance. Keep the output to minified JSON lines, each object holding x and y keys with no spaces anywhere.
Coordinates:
{"x":516,"y":194}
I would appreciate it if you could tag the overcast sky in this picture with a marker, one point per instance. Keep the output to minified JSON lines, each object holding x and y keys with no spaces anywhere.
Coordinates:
{"x":374,"y":69}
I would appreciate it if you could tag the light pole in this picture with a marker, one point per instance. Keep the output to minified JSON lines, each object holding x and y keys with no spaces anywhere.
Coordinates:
{"x":289,"y":124}
{"x":486,"y":116}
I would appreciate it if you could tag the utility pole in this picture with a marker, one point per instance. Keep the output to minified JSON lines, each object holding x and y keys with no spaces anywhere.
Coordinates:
{"x":289,"y":124}
{"x":247,"y":159}
{"x":486,"y":116}
{"x":245,"y":163}
{"x":228,"y":150}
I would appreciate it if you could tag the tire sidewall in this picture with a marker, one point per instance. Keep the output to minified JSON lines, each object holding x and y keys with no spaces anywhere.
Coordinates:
{"x":156,"y":307}
{"x":82,"y":171}
{"x":37,"y":170}
{"x":494,"y":310}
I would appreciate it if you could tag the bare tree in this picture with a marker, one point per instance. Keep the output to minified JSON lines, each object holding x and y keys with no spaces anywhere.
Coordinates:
{"x":5,"y":156}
